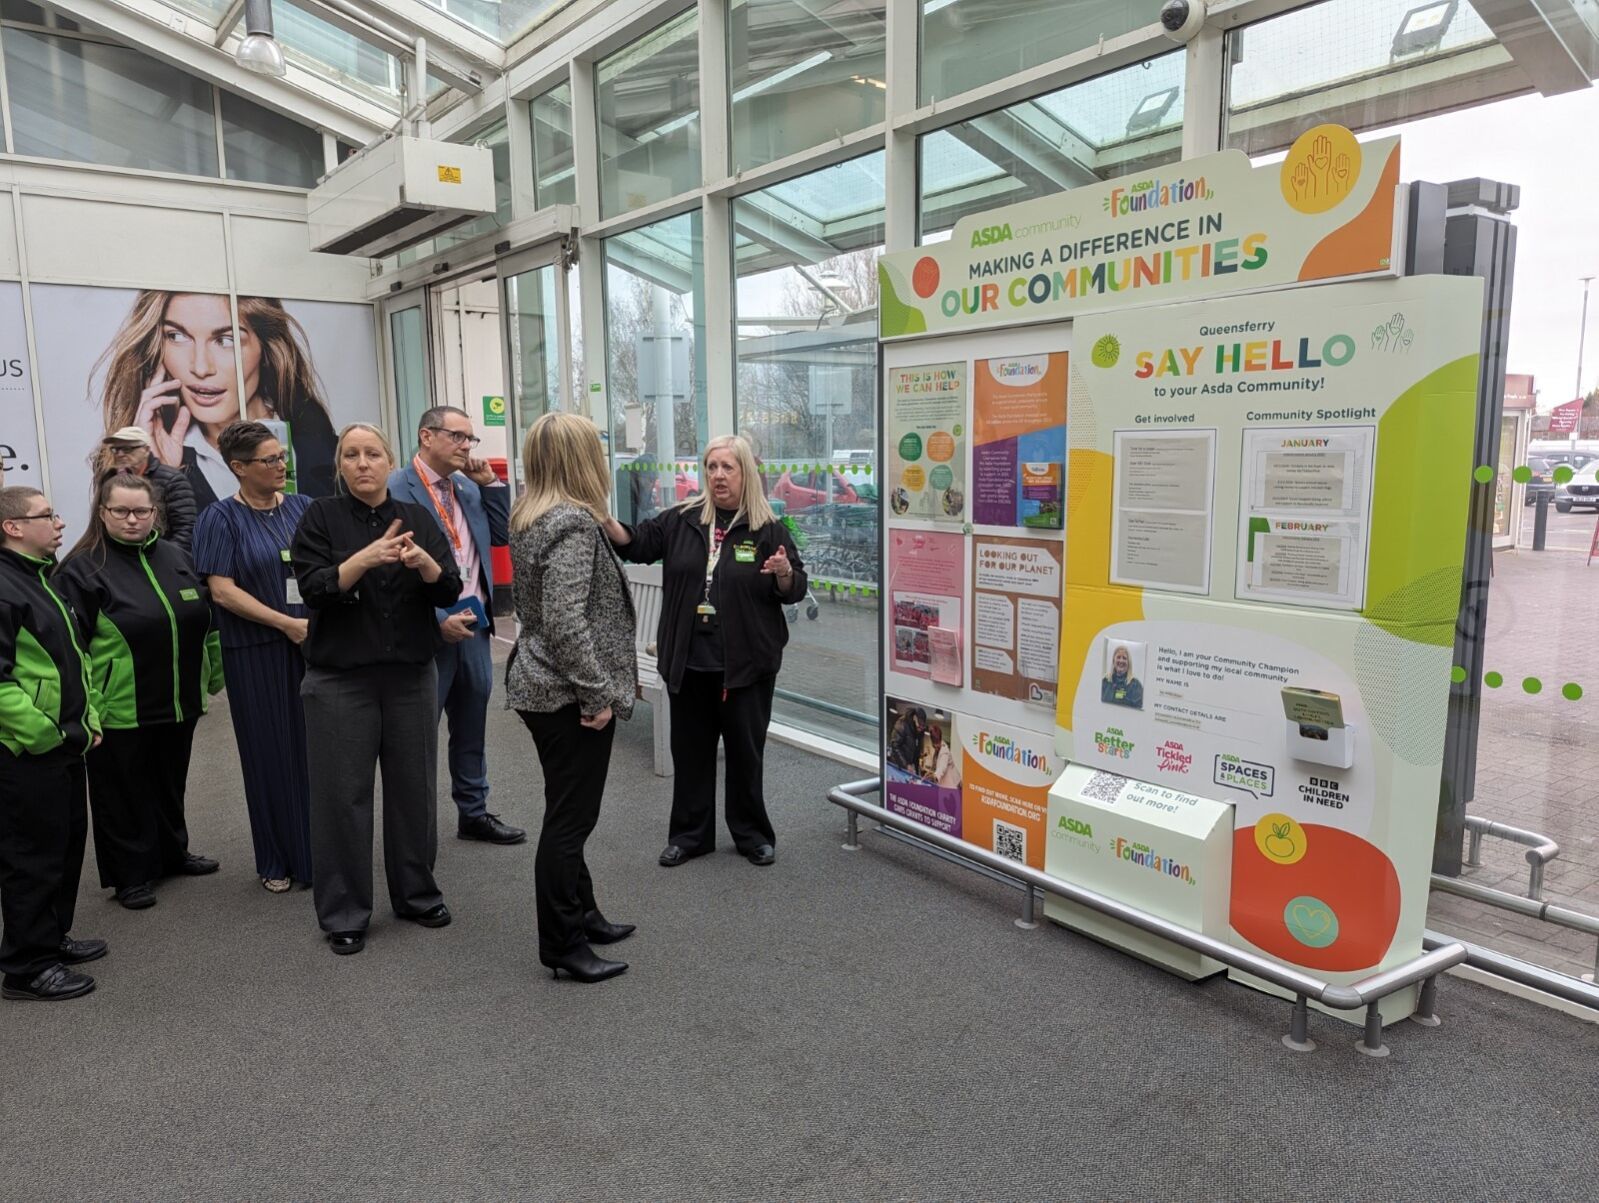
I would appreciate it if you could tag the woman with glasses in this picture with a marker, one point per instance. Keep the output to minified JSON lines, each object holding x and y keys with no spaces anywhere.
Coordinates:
{"x":241,"y":547}
{"x":154,"y":661}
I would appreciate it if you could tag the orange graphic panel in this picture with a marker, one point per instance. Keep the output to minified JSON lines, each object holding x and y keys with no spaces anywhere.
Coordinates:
{"x":1366,"y":242}
{"x":988,"y":799}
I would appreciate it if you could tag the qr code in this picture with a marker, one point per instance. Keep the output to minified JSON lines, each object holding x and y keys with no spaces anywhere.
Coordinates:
{"x":1104,"y":787}
{"x":1010,"y":841}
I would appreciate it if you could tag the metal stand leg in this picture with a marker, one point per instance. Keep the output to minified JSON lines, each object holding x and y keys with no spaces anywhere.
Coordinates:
{"x":1594,"y":976}
{"x":1027,"y":922}
{"x":1427,"y":1005}
{"x":852,"y":842}
{"x":1474,"y":848}
{"x":1298,"y":1037}
{"x":1371,"y":1043}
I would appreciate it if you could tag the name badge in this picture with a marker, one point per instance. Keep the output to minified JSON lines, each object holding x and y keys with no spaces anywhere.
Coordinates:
{"x":189,"y":594}
{"x":283,"y":555}
{"x":291,"y":592}
{"x":744,"y":553}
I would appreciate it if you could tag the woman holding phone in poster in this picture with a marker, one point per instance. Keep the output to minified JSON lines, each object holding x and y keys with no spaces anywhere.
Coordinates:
{"x":170,"y":371}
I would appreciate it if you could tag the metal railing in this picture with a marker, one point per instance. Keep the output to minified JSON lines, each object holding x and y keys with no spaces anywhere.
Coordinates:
{"x":1367,"y":992}
{"x":1548,"y":912}
{"x":1540,"y":849}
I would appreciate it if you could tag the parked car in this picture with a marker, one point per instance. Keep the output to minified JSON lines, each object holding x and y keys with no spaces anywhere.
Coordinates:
{"x":1581,"y":490}
{"x":1542,"y":483}
{"x":1576,"y":459}
{"x":802,"y":490}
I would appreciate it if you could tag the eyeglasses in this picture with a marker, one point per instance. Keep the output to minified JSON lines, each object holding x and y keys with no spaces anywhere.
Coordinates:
{"x":459,"y":438}
{"x":273,"y":461}
{"x":123,"y":512}
{"x":50,"y":514}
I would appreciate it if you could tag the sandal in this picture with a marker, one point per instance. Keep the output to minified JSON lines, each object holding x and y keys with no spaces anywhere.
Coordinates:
{"x":277,"y":885}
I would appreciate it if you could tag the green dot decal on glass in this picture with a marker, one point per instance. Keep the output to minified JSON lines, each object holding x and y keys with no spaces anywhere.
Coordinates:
{"x":1311,"y":921}
{"x":1532,"y":685}
{"x":1493,"y":680}
{"x":1564,"y":473}
{"x":941,"y":477}
{"x":1484,"y":474}
{"x":1571,"y":691}
{"x":1521,"y":475}
{"x":1457,"y":674}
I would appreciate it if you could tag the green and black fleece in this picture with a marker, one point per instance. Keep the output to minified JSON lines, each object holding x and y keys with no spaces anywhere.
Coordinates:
{"x":47,"y":698}
{"x":153,"y":655}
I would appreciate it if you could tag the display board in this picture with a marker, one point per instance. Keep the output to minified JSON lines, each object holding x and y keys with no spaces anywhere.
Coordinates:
{"x":1267,"y":520}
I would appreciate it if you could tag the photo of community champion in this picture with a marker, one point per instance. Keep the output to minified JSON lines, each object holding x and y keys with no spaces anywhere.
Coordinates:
{"x":1119,"y":687}
{"x":170,"y":371}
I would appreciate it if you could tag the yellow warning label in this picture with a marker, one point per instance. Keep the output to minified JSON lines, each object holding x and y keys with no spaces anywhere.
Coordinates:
{"x":449,"y":175}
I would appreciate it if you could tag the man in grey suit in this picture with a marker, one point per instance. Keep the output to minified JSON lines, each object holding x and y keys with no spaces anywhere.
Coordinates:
{"x":473,"y":508}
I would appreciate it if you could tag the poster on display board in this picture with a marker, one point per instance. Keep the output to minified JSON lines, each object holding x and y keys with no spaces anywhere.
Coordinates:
{"x":926,"y":435}
{"x":922,"y":765}
{"x":1019,"y":441}
{"x":1309,"y":691}
{"x":111,"y":357}
{"x":1016,"y":590}
{"x":1202,"y":227}
{"x":1005,"y":778}
{"x":19,"y":433}
{"x":926,"y":591}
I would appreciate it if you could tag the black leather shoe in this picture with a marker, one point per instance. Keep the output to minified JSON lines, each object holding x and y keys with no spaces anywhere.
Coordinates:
{"x":763,"y":855}
{"x":197,"y":866}
{"x":672,"y":856}
{"x":489,"y":830}
{"x":344,"y":943}
{"x":600,"y":931}
{"x":76,"y":952}
{"x":55,"y":984}
{"x":582,"y":964}
{"x":438,"y":916}
{"x":136,"y":898}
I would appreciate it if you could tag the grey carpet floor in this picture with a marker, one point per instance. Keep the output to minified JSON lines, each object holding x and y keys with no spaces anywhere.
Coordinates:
{"x":838,"y":1026}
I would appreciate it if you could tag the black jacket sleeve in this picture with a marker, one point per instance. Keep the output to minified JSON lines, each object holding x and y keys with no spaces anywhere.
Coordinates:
{"x":649,"y":538}
{"x":315,"y":565}
{"x":800,"y":581}
{"x":178,"y":510}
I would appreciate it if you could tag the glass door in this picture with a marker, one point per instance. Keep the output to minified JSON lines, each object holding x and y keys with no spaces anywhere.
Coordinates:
{"x":538,"y":353}
{"x":405,"y":328}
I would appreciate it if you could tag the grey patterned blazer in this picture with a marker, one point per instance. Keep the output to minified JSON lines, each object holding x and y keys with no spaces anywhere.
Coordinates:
{"x":576,"y":613}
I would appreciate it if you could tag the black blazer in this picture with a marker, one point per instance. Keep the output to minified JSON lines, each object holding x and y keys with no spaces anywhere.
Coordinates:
{"x":750,"y":604}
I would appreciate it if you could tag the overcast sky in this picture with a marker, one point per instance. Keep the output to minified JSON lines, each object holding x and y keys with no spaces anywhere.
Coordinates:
{"x":1549,"y":146}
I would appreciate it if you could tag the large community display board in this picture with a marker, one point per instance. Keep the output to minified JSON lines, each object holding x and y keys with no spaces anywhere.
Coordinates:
{"x":1171,"y":503}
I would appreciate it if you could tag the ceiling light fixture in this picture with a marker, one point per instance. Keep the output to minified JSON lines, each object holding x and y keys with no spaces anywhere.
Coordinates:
{"x":260,"y":51}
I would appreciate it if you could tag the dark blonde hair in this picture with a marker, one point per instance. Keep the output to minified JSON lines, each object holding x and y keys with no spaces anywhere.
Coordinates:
{"x":562,"y":461}
{"x":339,"y":485}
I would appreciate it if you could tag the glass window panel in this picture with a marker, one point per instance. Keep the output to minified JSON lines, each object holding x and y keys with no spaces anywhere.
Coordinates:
{"x":502,"y":20}
{"x":1359,"y":63}
{"x":655,"y":361}
{"x":325,"y":49}
{"x":268,"y":148}
{"x":408,"y":346}
{"x":968,"y":43}
{"x":649,"y":116}
{"x":554,"y":177}
{"x":72,"y":99}
{"x":535,"y":347}
{"x":806,"y":254}
{"x":34,"y":14}
{"x":497,"y":139}
{"x":802,"y":74}
{"x":1114,"y":124}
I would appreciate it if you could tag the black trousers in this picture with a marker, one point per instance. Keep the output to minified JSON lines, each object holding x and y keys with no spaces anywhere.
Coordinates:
{"x":575,"y":760}
{"x":701,"y":715}
{"x":137,"y":780}
{"x":44,"y":823}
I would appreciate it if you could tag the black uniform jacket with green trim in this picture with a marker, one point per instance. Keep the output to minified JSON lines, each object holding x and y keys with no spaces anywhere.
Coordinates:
{"x":153,"y":654}
{"x":47,"y":698}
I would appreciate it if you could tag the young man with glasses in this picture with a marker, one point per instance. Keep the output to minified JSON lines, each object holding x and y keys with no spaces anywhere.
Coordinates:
{"x":49,"y":720}
{"x":129,"y":450}
{"x":473,"y":508}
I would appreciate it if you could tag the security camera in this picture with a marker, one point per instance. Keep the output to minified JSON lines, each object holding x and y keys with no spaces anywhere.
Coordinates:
{"x":1181,"y":20}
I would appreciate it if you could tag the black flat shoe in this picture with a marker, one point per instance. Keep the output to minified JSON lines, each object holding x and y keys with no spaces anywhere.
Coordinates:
{"x":76,"y":952}
{"x":136,"y":898}
{"x":672,"y":856}
{"x":438,"y":916}
{"x":488,"y":829}
{"x":344,"y":943}
{"x":55,"y":984}
{"x":198,"y":866}
{"x":599,"y":930}
{"x":582,"y":964}
{"x":763,"y":855}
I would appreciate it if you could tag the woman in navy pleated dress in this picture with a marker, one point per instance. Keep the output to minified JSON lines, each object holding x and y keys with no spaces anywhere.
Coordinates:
{"x":241,"y":544}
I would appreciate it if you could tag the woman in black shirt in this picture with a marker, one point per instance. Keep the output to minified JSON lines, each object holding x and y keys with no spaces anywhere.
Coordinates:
{"x":728,"y":569}
{"x":372,"y":570}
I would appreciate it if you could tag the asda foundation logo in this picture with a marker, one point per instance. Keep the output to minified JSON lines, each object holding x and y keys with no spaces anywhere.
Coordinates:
{"x":1002,"y":747}
{"x":1113,"y":742}
{"x":1144,"y":857}
{"x":1146,"y":195}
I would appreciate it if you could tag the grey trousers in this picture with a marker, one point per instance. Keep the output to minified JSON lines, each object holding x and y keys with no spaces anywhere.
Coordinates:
{"x":356,"y":720}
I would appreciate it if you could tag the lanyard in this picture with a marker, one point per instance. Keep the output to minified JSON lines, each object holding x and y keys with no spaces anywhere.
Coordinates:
{"x":445,"y":516}
{"x":718,"y":534}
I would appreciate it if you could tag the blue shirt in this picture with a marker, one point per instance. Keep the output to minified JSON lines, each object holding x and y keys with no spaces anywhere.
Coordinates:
{"x":250,"y":546}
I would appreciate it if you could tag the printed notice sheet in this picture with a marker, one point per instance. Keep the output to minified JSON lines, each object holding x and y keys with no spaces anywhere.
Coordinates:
{"x":1306,"y":515}
{"x":1164,"y":495}
{"x":1016,"y":589}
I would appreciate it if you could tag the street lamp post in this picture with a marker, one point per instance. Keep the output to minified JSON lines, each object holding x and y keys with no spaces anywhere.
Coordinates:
{"x":1582,"y":337}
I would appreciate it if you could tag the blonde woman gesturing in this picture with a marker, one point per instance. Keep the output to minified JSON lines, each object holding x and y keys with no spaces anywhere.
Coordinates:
{"x":572,"y":674}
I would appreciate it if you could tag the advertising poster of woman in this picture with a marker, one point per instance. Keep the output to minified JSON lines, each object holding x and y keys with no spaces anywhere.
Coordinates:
{"x":171,"y":362}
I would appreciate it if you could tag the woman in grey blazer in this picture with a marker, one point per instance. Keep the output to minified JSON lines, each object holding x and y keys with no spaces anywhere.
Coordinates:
{"x":572,"y":673}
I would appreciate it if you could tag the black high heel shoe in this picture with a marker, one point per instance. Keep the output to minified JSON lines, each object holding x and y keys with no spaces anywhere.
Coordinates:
{"x":601,"y":931}
{"x":582,"y":964}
